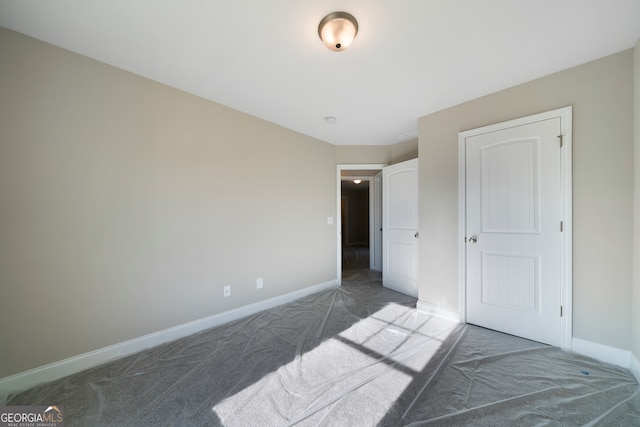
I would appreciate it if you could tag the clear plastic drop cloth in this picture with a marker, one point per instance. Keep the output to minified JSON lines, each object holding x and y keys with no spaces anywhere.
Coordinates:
{"x":360,"y":355}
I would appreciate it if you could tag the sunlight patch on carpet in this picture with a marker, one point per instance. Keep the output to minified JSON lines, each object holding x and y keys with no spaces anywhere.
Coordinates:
{"x":368,"y":365}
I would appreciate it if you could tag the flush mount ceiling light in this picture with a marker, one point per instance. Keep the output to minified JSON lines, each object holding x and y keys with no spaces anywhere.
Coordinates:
{"x":337,"y":30}
{"x":357,"y":181}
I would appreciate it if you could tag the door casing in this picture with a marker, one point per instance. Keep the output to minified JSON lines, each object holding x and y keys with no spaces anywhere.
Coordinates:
{"x":565,"y":115}
{"x":372,"y":207}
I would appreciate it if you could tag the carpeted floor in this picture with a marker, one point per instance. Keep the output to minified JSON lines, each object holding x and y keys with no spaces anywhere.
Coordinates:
{"x":355,"y":257}
{"x":360,"y":355}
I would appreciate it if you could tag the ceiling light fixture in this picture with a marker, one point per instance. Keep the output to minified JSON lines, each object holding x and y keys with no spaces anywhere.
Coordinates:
{"x":357,"y":181}
{"x":337,"y":30}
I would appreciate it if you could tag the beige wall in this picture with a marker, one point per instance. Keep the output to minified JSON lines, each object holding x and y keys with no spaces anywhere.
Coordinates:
{"x":636,"y":226}
{"x":601,"y":94}
{"x":364,"y":154}
{"x":377,"y":154}
{"x":126,"y":205}
{"x":403,"y":151}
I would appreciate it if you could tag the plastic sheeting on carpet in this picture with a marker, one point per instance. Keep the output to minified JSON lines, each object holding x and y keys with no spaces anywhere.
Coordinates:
{"x":360,"y":355}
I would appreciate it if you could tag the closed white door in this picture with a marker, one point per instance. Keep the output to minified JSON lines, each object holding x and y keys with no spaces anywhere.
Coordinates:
{"x":400,"y":227}
{"x":513,"y":229}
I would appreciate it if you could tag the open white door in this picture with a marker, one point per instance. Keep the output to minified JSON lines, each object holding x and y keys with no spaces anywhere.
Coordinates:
{"x":400,"y":227}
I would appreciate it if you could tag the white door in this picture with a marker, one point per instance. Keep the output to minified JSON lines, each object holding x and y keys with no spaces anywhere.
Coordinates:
{"x":400,"y":227}
{"x":513,"y":229}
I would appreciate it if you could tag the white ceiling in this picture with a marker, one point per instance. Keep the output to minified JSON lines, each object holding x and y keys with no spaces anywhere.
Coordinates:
{"x":264,"y":57}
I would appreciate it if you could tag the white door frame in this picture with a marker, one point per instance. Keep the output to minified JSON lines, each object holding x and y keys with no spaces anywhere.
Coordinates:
{"x":566,"y":279}
{"x":376,"y":222}
{"x":339,"y":169}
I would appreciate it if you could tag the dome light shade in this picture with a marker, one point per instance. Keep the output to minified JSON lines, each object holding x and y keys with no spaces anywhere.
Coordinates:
{"x":337,"y":30}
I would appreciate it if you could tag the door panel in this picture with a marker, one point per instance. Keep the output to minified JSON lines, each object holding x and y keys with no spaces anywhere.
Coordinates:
{"x":510,"y":280}
{"x":513,"y":229}
{"x":400,"y":227}
{"x":509,"y":173}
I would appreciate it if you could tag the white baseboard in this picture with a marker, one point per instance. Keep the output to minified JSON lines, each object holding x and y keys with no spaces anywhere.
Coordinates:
{"x":72,"y":365}
{"x":605,"y":353}
{"x":437,"y":310}
{"x":602,"y":352}
{"x":635,"y":367}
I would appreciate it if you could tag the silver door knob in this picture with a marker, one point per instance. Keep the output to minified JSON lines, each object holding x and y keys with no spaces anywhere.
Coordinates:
{"x":473,"y":239}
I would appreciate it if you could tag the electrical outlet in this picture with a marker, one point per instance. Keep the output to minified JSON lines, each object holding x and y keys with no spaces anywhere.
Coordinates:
{"x":227,"y":290}
{"x":259,"y":283}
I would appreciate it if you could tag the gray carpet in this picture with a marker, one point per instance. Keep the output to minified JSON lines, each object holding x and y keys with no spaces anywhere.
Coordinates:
{"x":355,"y":257}
{"x":356,"y":356}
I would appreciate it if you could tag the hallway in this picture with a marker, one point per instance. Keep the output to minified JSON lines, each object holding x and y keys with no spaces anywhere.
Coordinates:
{"x":355,"y":257}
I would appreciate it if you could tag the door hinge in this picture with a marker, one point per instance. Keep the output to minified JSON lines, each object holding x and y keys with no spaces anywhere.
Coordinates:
{"x":561,"y":226}
{"x":560,"y":136}
{"x":560,"y":311}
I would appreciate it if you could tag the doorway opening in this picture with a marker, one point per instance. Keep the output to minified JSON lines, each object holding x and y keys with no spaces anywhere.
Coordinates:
{"x":354,"y":217}
{"x":359,"y":218}
{"x":393,"y":222}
